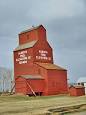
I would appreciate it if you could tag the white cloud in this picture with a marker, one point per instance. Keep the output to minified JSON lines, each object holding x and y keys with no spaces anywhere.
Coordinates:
{"x":50,"y":9}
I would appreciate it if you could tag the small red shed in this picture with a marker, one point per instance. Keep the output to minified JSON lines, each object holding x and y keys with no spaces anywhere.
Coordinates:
{"x":76,"y":90}
{"x":34,"y":69}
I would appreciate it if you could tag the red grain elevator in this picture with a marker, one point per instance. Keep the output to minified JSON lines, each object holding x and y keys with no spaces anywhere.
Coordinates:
{"x":34,"y":70}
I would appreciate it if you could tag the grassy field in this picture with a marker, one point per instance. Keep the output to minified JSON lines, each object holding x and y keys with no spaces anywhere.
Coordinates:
{"x":24,"y":105}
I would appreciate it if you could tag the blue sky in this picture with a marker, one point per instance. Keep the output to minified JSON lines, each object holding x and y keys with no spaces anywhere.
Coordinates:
{"x":65,"y":22}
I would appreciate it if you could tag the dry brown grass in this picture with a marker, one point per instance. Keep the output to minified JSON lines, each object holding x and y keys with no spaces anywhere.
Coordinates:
{"x":23,"y":105}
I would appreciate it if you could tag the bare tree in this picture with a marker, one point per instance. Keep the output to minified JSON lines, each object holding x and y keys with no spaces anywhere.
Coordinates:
{"x":6,"y":78}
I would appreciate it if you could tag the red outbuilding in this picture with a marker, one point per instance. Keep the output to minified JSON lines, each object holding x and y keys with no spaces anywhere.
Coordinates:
{"x":34,"y":70}
{"x":77,"y":90}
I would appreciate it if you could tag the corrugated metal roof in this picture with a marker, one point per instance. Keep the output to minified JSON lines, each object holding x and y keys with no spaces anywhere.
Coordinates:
{"x":50,"y":66}
{"x":77,"y":86}
{"x":32,"y":76}
{"x":26,"y":45}
{"x":33,"y":28}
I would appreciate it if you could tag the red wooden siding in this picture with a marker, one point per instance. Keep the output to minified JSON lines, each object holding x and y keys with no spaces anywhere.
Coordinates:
{"x":77,"y":91}
{"x":34,"y":56}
